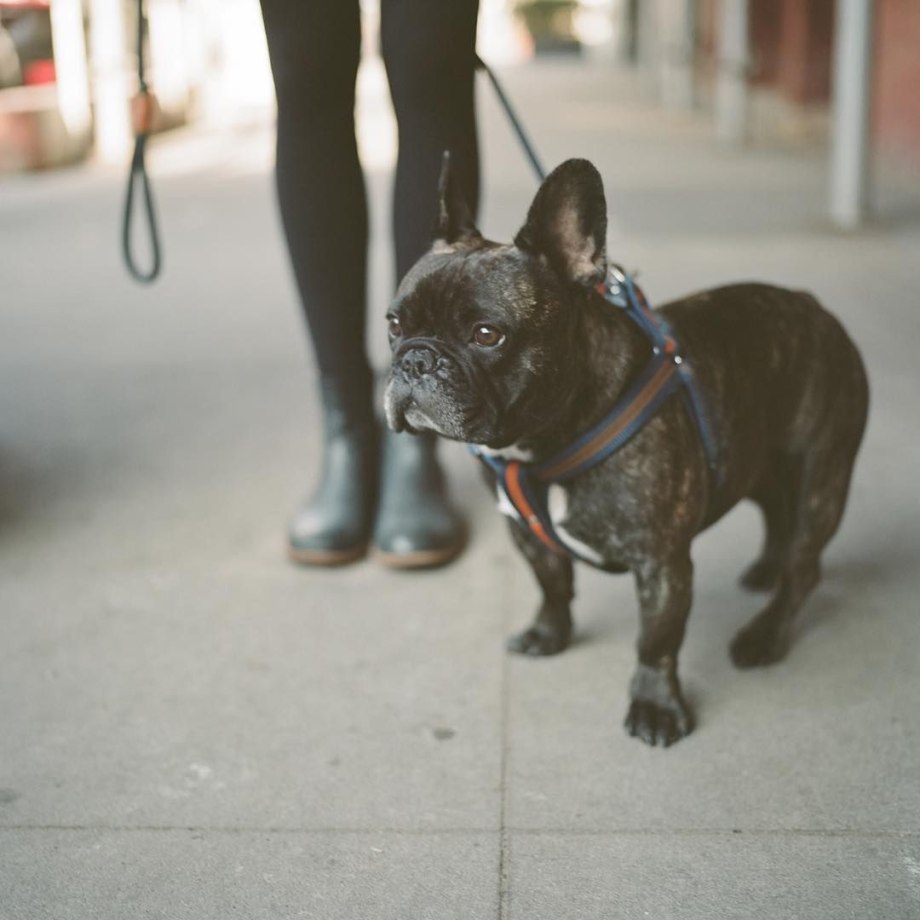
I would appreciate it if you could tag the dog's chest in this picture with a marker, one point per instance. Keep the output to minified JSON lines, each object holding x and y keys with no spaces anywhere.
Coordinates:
{"x":557,"y":507}
{"x":557,"y":503}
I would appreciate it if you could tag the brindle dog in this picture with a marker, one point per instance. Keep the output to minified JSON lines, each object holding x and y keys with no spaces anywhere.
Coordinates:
{"x":509,"y":346}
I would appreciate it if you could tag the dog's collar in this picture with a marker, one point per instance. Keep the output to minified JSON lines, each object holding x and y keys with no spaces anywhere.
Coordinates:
{"x":526,"y":485}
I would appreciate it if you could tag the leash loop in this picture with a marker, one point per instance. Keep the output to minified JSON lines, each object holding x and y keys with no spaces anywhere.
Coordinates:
{"x":143,"y":109}
{"x":138,"y":176}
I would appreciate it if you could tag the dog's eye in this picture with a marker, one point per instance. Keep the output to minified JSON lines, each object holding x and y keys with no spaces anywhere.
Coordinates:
{"x":488,"y":336}
{"x":394,"y":327}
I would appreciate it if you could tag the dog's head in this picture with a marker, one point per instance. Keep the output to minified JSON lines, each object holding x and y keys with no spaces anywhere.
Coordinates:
{"x":483,"y":333}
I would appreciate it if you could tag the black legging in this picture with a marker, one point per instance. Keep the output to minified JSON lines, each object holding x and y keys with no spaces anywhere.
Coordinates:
{"x":314,"y":46}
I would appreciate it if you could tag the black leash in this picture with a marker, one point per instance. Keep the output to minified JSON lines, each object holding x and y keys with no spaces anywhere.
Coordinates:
{"x":142,"y":111}
{"x":515,"y":122}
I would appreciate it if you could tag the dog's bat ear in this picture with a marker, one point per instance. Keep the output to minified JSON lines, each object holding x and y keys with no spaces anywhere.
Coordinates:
{"x":567,"y":223}
{"x":455,"y":222}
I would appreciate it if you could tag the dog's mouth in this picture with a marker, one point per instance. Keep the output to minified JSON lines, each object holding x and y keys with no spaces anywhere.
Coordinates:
{"x":422,"y":405}
{"x":401,"y":411}
{"x":429,"y":403}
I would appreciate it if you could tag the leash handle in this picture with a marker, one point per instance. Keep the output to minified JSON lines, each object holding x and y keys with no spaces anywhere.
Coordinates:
{"x":528,"y":147}
{"x":137,"y":175}
{"x":143,"y":110}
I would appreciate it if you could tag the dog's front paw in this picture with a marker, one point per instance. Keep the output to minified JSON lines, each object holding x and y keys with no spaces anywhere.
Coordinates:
{"x":658,"y":725}
{"x":538,"y":640}
{"x":657,"y":713}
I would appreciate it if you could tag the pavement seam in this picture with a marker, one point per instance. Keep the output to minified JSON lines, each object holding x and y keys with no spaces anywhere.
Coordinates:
{"x":230,"y":829}
{"x":504,"y":840}
{"x":508,"y":832}
{"x":715,"y":832}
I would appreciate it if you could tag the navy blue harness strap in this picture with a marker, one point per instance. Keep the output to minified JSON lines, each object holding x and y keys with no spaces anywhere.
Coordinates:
{"x":656,"y":383}
{"x":526,"y":486}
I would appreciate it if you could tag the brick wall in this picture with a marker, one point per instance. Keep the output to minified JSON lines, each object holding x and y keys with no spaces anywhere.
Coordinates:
{"x":791,"y":47}
{"x":896,"y":92}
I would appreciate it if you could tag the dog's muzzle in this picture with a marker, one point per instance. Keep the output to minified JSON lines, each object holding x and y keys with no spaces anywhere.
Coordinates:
{"x":423,"y":392}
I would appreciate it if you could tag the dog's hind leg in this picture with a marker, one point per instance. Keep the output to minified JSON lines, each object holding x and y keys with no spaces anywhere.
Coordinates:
{"x":551,"y":630}
{"x":777,"y":495}
{"x":819,"y":507}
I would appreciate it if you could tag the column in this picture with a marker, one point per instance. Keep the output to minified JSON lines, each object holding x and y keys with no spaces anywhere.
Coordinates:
{"x":732,"y":79}
{"x":849,"y":186}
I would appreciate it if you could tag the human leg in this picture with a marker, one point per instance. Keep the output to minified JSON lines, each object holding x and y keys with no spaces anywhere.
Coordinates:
{"x":314,"y":50}
{"x":429,"y":52}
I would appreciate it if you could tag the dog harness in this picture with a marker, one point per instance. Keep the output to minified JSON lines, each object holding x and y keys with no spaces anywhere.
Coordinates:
{"x":526,"y":485}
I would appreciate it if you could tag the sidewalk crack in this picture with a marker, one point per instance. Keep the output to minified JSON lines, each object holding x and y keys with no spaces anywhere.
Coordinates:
{"x":504,"y":843}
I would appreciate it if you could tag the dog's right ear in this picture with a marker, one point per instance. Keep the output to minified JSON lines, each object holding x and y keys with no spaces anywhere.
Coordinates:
{"x":455,"y":222}
{"x":567,"y":223}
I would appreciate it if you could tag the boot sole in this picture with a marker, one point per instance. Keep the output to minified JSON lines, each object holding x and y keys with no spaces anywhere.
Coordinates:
{"x":328,"y":558}
{"x":420,"y":559}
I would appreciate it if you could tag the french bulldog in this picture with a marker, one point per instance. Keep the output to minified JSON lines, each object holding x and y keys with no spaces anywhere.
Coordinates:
{"x":511,"y":347}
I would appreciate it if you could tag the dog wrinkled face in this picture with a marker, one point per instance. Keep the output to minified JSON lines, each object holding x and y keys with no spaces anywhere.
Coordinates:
{"x":465,"y":332}
{"x":475,"y":324}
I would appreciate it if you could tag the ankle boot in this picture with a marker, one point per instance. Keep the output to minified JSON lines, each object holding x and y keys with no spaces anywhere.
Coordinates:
{"x":416,"y":526}
{"x":334,"y":525}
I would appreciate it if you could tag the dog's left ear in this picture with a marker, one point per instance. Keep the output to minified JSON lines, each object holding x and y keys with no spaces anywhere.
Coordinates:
{"x":455,"y":222}
{"x":567,"y":223}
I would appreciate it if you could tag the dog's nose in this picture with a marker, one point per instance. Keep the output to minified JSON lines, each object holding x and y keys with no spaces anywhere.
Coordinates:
{"x":419,"y":361}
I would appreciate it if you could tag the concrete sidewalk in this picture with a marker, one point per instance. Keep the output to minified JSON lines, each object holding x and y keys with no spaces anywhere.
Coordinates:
{"x":192,"y":728}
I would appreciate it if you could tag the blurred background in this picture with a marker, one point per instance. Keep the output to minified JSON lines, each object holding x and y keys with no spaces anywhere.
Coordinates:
{"x":766,"y":71}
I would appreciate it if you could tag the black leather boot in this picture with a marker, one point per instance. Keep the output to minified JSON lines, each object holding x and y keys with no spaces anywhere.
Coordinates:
{"x":416,"y":525}
{"x":333,"y":526}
